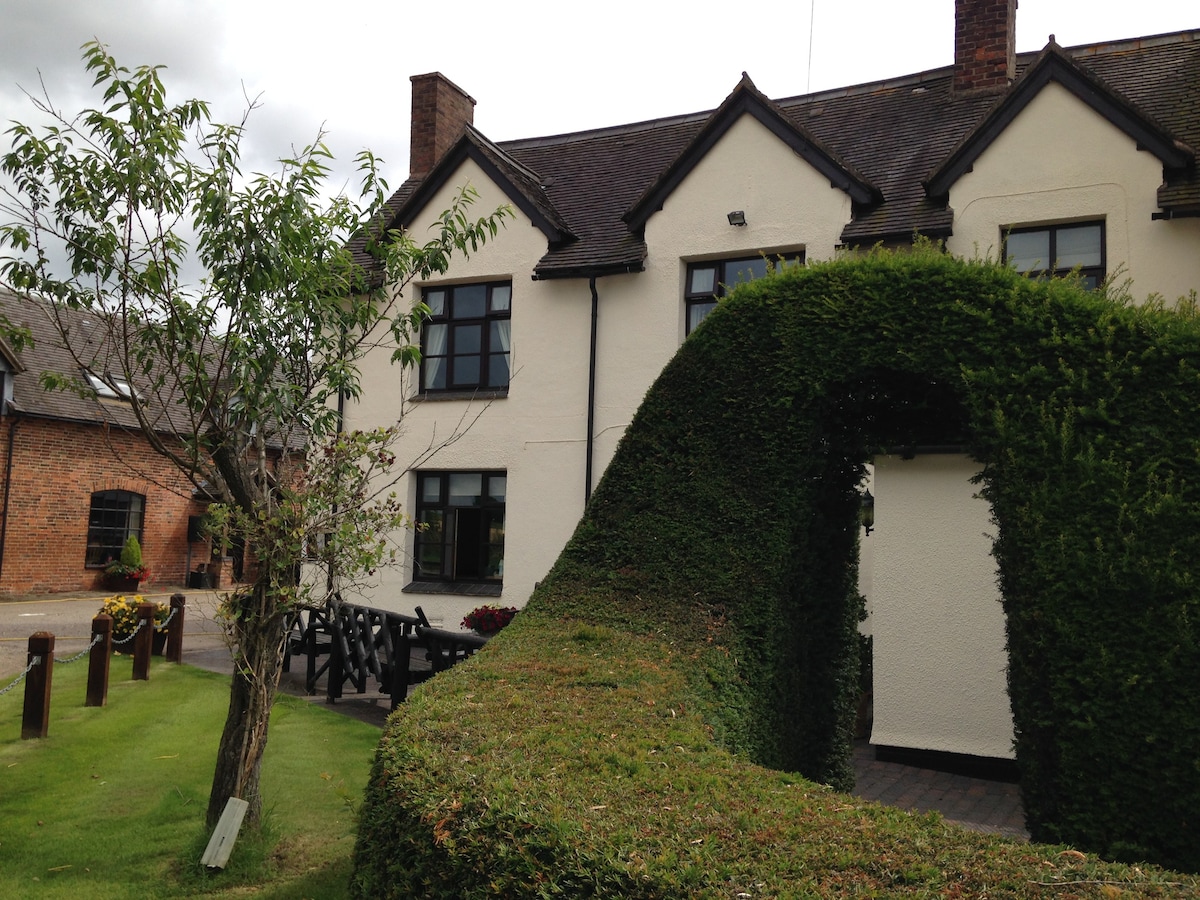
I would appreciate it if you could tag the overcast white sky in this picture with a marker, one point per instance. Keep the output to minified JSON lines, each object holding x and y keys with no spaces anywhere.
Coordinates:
{"x":535,"y":67}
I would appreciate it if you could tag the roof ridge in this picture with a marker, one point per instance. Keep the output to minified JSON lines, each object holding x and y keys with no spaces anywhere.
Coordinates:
{"x":1090,"y":49}
{"x":1095,"y":48}
{"x":530,"y":143}
{"x":509,"y":159}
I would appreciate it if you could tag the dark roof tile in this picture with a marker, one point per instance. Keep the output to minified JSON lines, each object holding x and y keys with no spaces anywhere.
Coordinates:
{"x":48,"y":353}
{"x":89,"y":336}
{"x":891,"y":136}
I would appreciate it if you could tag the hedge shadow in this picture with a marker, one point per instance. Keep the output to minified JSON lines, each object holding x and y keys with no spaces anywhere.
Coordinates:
{"x":727,"y":526}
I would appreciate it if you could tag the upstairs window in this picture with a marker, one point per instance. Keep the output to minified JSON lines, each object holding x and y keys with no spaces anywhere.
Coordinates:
{"x":465,"y":341}
{"x":710,"y":280}
{"x":113,"y":517}
{"x":460,"y":526}
{"x":1058,"y":250}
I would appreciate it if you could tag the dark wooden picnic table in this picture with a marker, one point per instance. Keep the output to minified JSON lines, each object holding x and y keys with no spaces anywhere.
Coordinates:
{"x":361,"y":643}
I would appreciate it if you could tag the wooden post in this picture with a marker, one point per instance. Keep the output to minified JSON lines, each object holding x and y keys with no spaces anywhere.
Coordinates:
{"x":143,"y":642}
{"x":401,"y":663}
{"x":99,"y":660}
{"x":35,"y":718}
{"x":175,"y":629}
{"x":336,"y":671}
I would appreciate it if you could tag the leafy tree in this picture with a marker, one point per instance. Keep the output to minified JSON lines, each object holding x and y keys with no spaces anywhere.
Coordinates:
{"x":237,"y":380}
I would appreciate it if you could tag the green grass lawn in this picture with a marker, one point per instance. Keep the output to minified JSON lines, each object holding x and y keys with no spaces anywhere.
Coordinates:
{"x":111,"y":803}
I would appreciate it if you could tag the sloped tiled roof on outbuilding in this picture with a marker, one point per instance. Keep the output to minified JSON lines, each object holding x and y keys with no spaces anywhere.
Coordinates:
{"x":88,"y":337}
{"x":47,"y":352}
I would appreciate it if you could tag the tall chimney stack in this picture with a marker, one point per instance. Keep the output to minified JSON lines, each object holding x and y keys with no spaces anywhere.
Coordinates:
{"x":440,"y":112}
{"x":985,"y":39}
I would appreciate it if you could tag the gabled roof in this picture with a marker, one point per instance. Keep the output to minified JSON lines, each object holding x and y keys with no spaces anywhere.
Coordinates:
{"x":595,"y":189}
{"x":746,"y":99}
{"x":1054,"y":65}
{"x":521,"y":185}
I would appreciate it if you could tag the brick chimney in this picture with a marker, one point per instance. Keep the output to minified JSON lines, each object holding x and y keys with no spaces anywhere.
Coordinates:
{"x":440,"y":112}
{"x":985,"y":38}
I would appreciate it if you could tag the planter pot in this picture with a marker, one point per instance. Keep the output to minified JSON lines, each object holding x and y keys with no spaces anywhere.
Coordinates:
{"x":158,"y":645}
{"x":121,"y":584}
{"x":202,"y":580}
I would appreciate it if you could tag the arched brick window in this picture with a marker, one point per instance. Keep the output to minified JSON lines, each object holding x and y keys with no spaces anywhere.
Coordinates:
{"x":113,"y":517}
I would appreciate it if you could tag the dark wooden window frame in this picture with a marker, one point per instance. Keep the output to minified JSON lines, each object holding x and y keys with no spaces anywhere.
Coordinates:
{"x":456,"y":541}
{"x":694,"y":301}
{"x":456,"y":355}
{"x":112,"y":517}
{"x":1093,"y":276}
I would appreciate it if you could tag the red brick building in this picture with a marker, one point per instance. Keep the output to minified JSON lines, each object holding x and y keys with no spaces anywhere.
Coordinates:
{"x":77,"y":477}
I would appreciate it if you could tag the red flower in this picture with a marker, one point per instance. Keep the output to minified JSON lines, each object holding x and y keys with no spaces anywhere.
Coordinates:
{"x":489,"y":619}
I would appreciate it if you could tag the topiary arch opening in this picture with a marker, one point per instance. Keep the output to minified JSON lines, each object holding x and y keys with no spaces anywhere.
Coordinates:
{"x":729,"y":517}
{"x":708,"y":603}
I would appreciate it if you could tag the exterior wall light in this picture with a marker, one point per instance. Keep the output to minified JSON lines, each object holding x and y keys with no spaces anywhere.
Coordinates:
{"x":867,"y":514}
{"x":737,"y":217}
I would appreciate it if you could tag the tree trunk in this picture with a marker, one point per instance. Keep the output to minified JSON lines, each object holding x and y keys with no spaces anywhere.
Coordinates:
{"x":258,"y":635}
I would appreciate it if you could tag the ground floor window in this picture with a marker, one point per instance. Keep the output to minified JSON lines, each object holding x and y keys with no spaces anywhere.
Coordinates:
{"x":113,"y":517}
{"x":460,"y":526}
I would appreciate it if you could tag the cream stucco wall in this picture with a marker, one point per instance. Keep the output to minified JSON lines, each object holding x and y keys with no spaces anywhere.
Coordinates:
{"x":789,"y":206}
{"x":938,"y":625}
{"x":1060,"y":161}
{"x":927,"y":570}
{"x":538,"y":432}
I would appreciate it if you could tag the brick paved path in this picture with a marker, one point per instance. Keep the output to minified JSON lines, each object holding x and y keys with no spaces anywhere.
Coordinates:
{"x":975,"y":803}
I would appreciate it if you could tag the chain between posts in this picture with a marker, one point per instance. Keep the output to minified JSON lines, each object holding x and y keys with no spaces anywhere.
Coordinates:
{"x":126,"y":640}
{"x":96,"y":640}
{"x":36,"y":661}
{"x":82,"y":653}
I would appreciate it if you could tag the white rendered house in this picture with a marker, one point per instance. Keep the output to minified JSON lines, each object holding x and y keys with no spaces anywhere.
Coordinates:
{"x":545,"y":340}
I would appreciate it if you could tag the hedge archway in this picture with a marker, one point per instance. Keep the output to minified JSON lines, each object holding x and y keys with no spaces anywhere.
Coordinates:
{"x":728,"y":521}
{"x":732,"y":499}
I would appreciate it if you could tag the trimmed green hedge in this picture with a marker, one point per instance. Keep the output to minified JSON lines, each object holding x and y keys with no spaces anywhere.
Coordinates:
{"x":573,"y":760}
{"x":725,"y":529}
